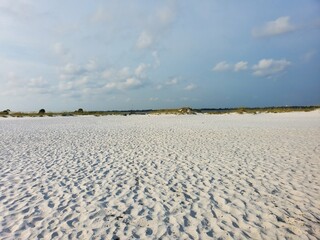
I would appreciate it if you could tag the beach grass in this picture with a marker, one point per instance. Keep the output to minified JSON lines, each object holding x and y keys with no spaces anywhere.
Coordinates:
{"x":174,"y":111}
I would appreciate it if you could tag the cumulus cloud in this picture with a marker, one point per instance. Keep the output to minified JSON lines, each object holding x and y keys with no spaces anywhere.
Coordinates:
{"x":169,"y":83}
{"x":279,"y":26}
{"x":22,"y":86}
{"x":242,"y":65}
{"x":81,"y":86}
{"x":125,"y":78}
{"x":265,"y":67}
{"x":140,"y":70}
{"x":190,"y":87}
{"x":221,"y":66}
{"x":80,"y":79}
{"x":145,"y":40}
{"x":15,"y":85}
{"x":129,"y":83}
{"x":71,"y":69}
{"x":268,"y":67}
{"x":121,"y":74}
{"x":39,"y":85}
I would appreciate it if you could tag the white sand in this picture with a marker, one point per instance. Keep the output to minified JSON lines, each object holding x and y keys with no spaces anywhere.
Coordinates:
{"x":169,"y":177}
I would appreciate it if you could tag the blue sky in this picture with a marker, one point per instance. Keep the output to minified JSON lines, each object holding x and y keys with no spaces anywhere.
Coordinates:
{"x":104,"y":55}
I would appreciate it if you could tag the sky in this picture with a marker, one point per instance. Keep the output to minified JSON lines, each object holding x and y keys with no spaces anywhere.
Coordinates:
{"x":134,"y":54}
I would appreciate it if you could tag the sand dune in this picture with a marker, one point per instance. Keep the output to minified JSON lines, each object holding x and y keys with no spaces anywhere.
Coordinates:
{"x":161,"y":177}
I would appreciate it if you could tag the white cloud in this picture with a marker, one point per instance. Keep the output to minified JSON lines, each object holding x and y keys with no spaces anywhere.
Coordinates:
{"x":242,"y":65}
{"x":107,"y":74}
{"x":71,"y":69}
{"x":156,"y":24}
{"x":60,"y":50}
{"x":221,"y":66}
{"x":81,"y":79}
{"x":22,"y":86}
{"x":93,"y":80}
{"x":20,"y":10}
{"x":101,"y":15}
{"x":279,"y":26}
{"x":38,"y":82}
{"x":124,"y":73}
{"x":153,"y":99}
{"x":145,"y":40}
{"x":110,"y":86}
{"x":13,"y":80}
{"x":80,"y":86}
{"x":166,"y":15}
{"x":265,"y":67}
{"x":140,"y":70}
{"x":268,"y":67}
{"x":65,"y":86}
{"x":308,"y":56}
{"x":169,"y":83}
{"x":125,"y":79}
{"x":190,"y":87}
{"x":129,"y":83}
{"x":156,"y":59}
{"x":172,"y":81}
{"x":91,"y":66}
{"x":132,"y":83}
{"x":39,"y":85}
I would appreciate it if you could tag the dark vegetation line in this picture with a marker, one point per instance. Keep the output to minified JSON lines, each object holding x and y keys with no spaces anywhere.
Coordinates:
{"x":184,"y":110}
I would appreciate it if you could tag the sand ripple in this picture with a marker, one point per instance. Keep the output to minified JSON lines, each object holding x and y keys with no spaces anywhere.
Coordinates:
{"x":161,"y":177}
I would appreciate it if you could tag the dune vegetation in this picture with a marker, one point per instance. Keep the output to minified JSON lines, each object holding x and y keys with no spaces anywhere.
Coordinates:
{"x":175,"y":111}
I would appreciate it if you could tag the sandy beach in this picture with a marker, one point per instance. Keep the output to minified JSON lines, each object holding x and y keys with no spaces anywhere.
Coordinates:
{"x":230,"y":176}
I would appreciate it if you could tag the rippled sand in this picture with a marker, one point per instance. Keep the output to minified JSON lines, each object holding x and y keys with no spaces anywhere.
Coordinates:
{"x":161,"y":177}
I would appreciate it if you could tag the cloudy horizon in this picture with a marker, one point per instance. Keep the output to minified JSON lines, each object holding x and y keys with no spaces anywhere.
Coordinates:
{"x":106,"y":55}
